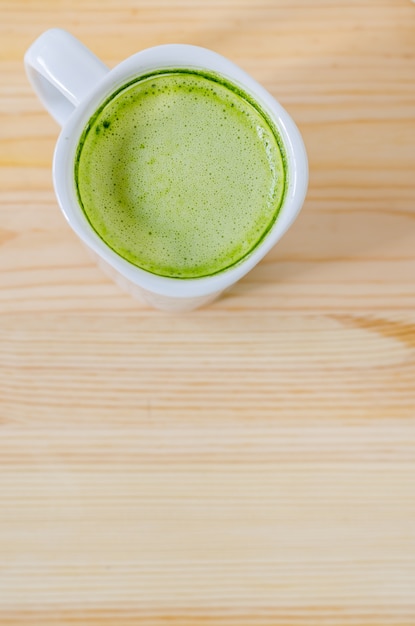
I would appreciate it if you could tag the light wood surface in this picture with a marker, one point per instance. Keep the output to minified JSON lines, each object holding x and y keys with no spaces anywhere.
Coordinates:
{"x":251,"y":463}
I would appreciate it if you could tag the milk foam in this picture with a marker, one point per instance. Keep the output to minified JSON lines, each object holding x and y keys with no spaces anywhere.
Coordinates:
{"x":180,"y":174}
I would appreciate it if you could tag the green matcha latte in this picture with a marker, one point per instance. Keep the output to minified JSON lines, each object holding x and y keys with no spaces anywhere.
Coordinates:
{"x":181,"y":174}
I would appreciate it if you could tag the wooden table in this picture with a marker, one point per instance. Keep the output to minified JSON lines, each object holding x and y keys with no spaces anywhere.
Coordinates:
{"x":251,"y":463}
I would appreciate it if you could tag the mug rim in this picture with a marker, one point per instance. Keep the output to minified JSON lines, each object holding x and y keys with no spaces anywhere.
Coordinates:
{"x":177,"y":56}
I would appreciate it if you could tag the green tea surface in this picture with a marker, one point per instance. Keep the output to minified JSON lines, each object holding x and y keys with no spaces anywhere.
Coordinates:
{"x":180,"y":174}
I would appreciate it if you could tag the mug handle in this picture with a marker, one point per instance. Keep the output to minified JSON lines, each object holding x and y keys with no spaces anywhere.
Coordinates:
{"x":62,"y":72}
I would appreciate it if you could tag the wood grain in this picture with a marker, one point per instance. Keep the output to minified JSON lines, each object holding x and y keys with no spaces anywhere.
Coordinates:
{"x":251,"y":463}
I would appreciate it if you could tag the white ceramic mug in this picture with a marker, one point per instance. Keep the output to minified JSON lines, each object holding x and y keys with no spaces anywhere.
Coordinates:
{"x":72,"y":83}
